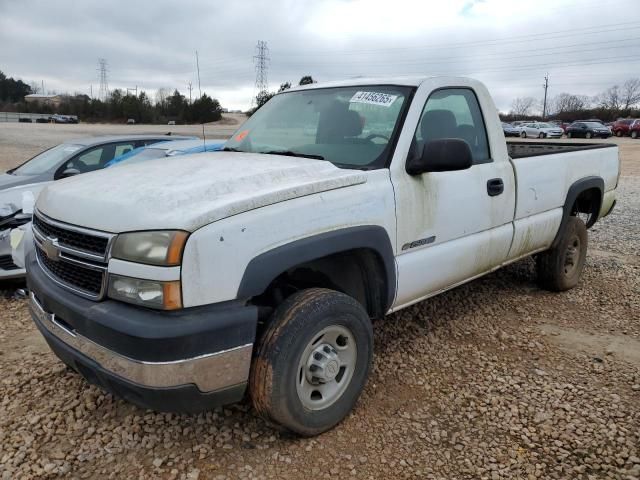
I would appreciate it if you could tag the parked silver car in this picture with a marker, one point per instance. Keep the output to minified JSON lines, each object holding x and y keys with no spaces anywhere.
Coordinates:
{"x":539,"y":130}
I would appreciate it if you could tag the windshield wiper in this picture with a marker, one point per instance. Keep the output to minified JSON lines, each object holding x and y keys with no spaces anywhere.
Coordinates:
{"x":289,"y":153}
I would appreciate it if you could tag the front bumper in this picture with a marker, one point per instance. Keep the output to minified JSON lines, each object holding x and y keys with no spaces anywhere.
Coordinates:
{"x":182,"y":361}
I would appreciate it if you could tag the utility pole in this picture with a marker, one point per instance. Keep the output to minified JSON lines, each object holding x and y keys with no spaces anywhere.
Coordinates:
{"x":261,"y":62}
{"x":190,"y":88}
{"x":198,"y":68}
{"x":42,"y":86}
{"x":103,"y":93}
{"x":544,"y":104}
{"x":91,"y":91}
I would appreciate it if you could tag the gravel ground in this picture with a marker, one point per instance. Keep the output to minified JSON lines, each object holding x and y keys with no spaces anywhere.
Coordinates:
{"x":495,"y":379}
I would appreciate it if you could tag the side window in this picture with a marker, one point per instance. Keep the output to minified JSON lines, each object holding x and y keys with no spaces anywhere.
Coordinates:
{"x":454,"y":113}
{"x":122,"y":148}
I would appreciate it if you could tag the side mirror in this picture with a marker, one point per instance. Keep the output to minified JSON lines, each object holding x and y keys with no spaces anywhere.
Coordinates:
{"x":69,"y":172}
{"x":442,"y":155}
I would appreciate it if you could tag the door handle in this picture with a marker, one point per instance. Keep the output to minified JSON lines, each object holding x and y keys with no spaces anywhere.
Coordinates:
{"x":495,"y":186}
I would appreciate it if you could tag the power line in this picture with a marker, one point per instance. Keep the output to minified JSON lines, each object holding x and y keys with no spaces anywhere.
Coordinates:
{"x":103,"y":93}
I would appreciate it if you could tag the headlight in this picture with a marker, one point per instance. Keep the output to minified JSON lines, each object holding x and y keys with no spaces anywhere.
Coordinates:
{"x":154,"y":248}
{"x":147,"y":293}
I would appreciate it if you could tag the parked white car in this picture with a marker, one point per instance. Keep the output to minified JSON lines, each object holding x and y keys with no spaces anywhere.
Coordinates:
{"x":539,"y":130}
{"x":260,"y":267}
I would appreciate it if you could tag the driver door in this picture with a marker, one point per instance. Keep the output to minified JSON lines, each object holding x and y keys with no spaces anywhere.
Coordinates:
{"x":452,"y":225}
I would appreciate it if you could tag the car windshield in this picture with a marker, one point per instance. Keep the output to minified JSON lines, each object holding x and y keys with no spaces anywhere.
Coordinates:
{"x":546,"y":125}
{"x":47,"y":160}
{"x":351,"y":127}
{"x":594,"y":125}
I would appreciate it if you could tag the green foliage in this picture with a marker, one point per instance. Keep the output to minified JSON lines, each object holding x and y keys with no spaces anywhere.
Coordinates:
{"x":13,"y":90}
{"x":306,"y":80}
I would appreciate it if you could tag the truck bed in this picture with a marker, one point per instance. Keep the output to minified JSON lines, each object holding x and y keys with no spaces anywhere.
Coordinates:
{"x":532,"y":149}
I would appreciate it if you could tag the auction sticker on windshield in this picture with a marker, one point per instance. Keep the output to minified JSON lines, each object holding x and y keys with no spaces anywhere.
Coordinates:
{"x":373,"y":98}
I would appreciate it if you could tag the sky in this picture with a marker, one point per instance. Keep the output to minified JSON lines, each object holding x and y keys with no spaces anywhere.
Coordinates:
{"x":585,"y":46}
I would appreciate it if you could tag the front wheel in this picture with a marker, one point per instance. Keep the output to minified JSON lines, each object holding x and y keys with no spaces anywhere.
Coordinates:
{"x":312,"y":361}
{"x":541,"y":135}
{"x":523,"y":134}
{"x":588,"y":135}
{"x":619,"y":133}
{"x":560,"y":268}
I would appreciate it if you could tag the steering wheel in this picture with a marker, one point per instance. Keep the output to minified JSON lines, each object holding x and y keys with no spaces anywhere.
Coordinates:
{"x":79,"y":165}
{"x":377,"y":135}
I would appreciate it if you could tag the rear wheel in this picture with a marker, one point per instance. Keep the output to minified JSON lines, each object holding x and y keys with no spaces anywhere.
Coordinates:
{"x":560,"y":268}
{"x":541,"y":135}
{"x":312,"y":361}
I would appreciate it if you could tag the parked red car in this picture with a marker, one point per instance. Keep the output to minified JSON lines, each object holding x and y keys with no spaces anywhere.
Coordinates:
{"x":620,"y":128}
{"x":634,"y":129}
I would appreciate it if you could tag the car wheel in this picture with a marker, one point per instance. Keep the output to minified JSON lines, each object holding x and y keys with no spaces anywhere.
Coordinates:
{"x":541,"y":135}
{"x":619,"y":133}
{"x":588,"y":135}
{"x":560,"y":268}
{"x":634,"y":134}
{"x":568,"y":134}
{"x":523,"y":134}
{"x":312,"y":361}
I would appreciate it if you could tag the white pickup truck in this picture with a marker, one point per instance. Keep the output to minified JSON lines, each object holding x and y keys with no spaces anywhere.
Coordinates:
{"x":184,"y":284}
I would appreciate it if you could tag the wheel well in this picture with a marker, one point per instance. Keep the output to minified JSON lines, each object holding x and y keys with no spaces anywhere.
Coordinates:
{"x":589,"y":202}
{"x":359,"y":273}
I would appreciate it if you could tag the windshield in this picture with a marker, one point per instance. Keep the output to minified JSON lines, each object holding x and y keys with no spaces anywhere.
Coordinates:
{"x":594,"y":125}
{"x":47,"y":160}
{"x":546,"y":125}
{"x":351,"y":127}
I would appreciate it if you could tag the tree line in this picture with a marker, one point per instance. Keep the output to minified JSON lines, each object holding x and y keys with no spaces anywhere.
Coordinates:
{"x":118,"y":107}
{"x":618,"y":101}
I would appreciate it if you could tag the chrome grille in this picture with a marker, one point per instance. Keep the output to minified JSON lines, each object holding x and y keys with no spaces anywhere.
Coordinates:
{"x":72,"y":238}
{"x":74,"y":257}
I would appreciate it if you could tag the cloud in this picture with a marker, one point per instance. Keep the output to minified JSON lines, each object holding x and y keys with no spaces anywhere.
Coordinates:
{"x":151,"y":43}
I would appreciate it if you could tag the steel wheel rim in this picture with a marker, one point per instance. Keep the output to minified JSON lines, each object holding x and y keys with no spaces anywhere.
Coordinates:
{"x":572,"y":256}
{"x":326,"y":367}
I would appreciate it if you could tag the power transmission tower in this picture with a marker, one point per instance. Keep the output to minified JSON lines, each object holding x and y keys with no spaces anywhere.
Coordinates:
{"x":544,"y":103}
{"x":103,"y":93}
{"x":261,"y":61}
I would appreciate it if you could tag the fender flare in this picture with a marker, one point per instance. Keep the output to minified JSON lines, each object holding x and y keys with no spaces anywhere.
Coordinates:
{"x":574,"y":191}
{"x":264,"y":268}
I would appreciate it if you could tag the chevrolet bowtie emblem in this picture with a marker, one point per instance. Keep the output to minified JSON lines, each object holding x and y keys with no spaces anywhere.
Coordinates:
{"x":51,"y":248}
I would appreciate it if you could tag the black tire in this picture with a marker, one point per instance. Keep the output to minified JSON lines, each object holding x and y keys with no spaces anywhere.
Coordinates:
{"x":619,"y":133}
{"x":560,"y":268}
{"x":568,"y":134}
{"x":588,"y":135}
{"x":523,"y":134}
{"x":541,"y":135}
{"x":634,"y":134}
{"x":276,"y":370}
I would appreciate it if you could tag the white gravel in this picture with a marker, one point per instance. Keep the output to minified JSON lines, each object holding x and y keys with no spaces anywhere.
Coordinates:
{"x":495,"y":379}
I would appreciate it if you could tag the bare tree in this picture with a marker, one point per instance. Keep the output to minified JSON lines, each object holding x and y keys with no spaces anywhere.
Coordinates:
{"x":567,"y":102}
{"x":630,"y":95}
{"x":521,"y":107}
{"x":161,"y":97}
{"x":610,"y":99}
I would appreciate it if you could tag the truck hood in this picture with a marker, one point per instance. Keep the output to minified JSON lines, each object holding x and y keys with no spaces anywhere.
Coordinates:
{"x":187,"y":192}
